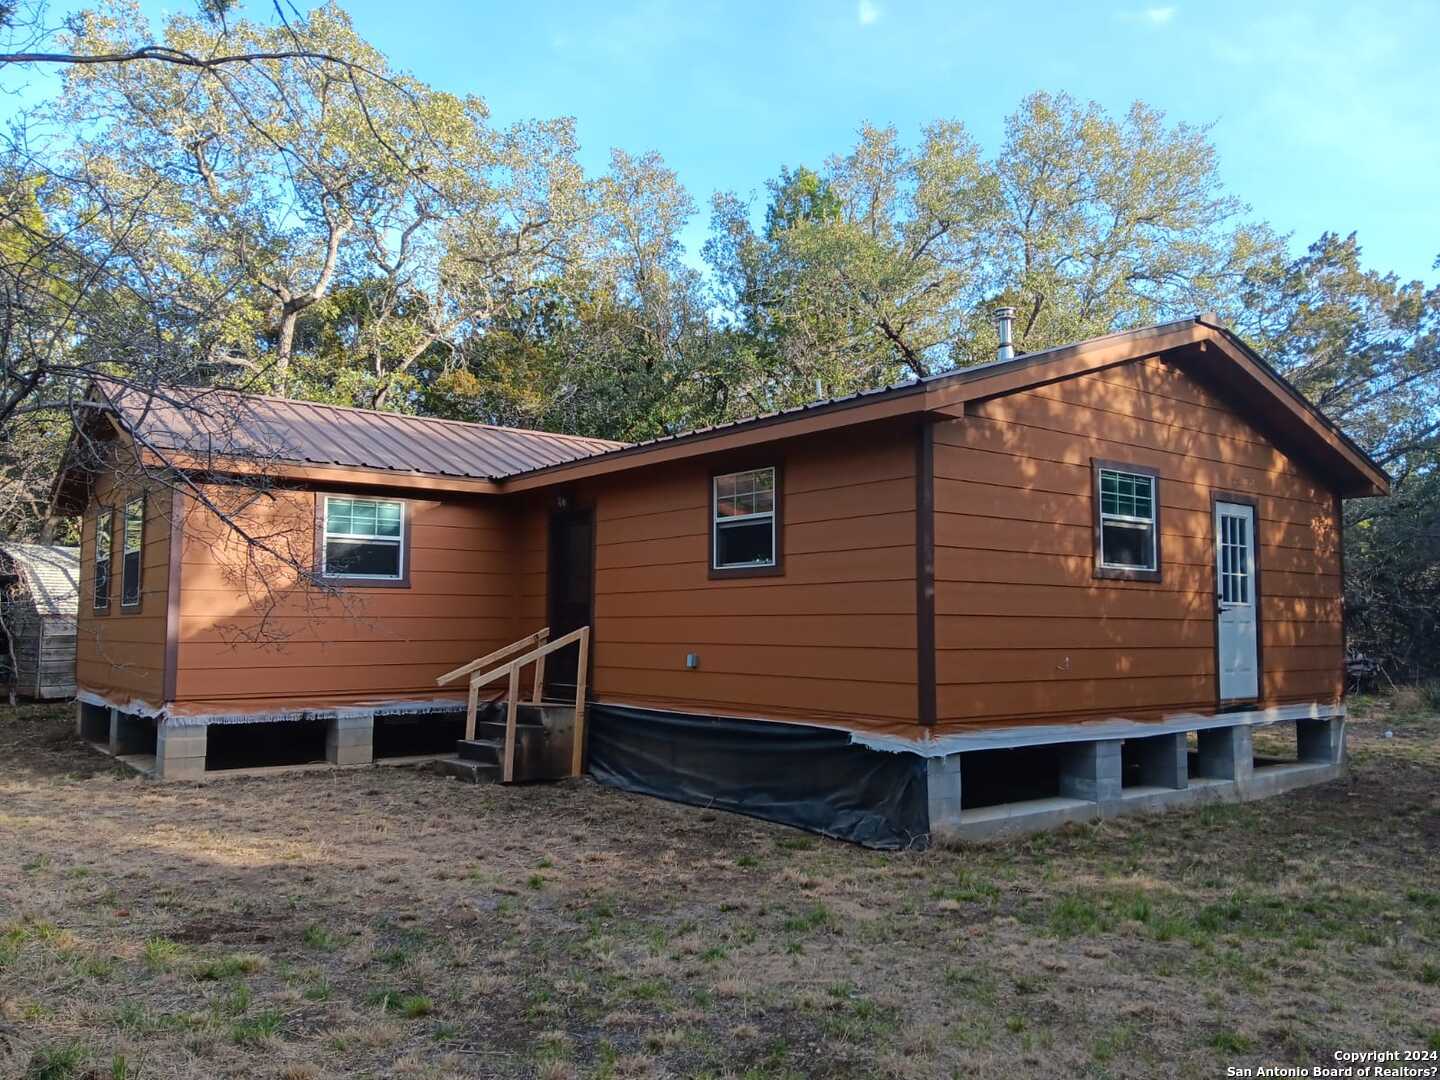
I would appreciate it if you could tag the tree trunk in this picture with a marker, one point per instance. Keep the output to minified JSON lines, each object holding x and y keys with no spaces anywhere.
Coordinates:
{"x":284,"y":346}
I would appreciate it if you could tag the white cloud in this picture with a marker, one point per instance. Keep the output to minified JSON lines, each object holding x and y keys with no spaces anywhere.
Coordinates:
{"x":867,"y":11}
{"x":1151,"y":16}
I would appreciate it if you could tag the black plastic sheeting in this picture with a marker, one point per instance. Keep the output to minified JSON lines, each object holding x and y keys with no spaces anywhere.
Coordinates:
{"x":811,"y":777}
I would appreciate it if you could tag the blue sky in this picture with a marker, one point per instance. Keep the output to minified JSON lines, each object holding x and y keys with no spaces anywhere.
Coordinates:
{"x":1326,"y":116}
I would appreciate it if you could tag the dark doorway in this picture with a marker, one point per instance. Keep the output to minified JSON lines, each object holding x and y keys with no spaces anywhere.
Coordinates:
{"x":571,"y":587}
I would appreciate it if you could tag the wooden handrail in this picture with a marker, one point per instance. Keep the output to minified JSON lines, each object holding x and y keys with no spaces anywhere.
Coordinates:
{"x":483,"y":679}
{"x":494,"y":657}
{"x":480,"y":677}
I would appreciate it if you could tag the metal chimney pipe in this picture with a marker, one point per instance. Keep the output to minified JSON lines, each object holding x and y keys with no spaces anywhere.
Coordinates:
{"x":1004,"y":326}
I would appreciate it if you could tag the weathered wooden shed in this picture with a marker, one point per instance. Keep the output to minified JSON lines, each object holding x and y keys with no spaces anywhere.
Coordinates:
{"x":39,"y":593}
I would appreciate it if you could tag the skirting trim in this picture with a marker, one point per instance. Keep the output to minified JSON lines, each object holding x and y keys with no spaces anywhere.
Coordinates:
{"x":140,"y":708}
{"x":1008,"y":738}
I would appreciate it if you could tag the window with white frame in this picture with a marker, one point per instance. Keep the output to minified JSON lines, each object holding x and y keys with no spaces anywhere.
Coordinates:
{"x":364,"y":539}
{"x":133,"y":554}
{"x":1128,"y":523}
{"x":104,"y":552}
{"x":743,"y":521}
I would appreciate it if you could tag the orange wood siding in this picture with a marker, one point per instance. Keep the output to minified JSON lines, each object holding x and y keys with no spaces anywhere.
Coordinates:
{"x":832,"y":638}
{"x":251,"y":638}
{"x":121,"y":653}
{"x":1024,"y":631}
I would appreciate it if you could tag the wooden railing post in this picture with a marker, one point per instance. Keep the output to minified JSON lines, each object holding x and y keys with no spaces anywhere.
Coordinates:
{"x":577,"y":751}
{"x":471,"y":704}
{"x":512,"y":708}
{"x":537,"y":696}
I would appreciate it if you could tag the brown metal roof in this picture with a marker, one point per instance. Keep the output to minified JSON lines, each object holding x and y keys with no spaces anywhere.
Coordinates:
{"x":226,"y":423}
{"x":204,"y":422}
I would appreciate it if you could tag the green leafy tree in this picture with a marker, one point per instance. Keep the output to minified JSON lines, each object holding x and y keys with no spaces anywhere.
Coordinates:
{"x":886,"y":265}
{"x":1365,"y":347}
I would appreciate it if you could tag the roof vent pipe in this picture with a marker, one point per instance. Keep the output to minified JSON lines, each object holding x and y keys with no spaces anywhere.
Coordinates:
{"x":1004,"y":327}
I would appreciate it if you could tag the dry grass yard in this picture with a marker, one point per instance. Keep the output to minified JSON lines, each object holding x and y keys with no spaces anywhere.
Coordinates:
{"x":383,"y":922}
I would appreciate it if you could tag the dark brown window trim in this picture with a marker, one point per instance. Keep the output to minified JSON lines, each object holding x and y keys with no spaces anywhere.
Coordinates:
{"x":95,"y":605}
{"x":926,"y":705}
{"x":1344,"y":608}
{"x":1241,"y":499}
{"x":139,"y":605}
{"x":1116,"y":573}
{"x":178,"y":504}
{"x":776,"y":569}
{"x":402,"y":582}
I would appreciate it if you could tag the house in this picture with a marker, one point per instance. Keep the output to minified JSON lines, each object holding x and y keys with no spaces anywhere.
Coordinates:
{"x":1051,"y":587}
{"x":39,"y":591}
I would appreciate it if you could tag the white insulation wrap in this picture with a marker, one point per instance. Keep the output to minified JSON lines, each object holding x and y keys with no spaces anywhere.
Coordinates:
{"x":140,"y":708}
{"x":1008,"y":738}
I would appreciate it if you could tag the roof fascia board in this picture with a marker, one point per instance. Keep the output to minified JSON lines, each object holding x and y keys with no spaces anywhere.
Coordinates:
{"x":1375,"y":480}
{"x":320,"y":474}
{"x":1026,"y":372}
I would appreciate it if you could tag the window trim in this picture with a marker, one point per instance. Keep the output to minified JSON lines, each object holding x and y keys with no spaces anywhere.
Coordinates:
{"x":776,"y":566}
{"x":101,"y":605}
{"x":139,"y":601}
{"x":1124,"y":573}
{"x":360,"y":581}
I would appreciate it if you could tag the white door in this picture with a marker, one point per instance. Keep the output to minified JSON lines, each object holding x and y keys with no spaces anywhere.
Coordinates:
{"x":1237,"y":637}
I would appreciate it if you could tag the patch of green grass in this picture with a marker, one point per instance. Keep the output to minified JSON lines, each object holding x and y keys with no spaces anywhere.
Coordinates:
{"x":794,"y":843}
{"x":747,"y":862}
{"x":161,"y":954}
{"x":1074,"y":916}
{"x":134,"y":1018}
{"x":812,"y":918}
{"x":237,"y":1002}
{"x":317,"y":937}
{"x":535,"y":881}
{"x":1430,"y":974}
{"x":1424,"y":898}
{"x":1113,"y":1043}
{"x":40,"y":862}
{"x":386,"y":998}
{"x":254,"y":1029}
{"x":228,"y":967}
{"x":862,"y":1020}
{"x":99,"y":968}
{"x":56,"y":1062}
{"x":1231,"y":1042}
{"x":393,"y":957}
{"x":969,"y":888}
{"x":319,"y":990}
{"x":1171,"y":927}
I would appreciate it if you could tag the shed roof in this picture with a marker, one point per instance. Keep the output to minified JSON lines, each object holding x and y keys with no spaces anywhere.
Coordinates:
{"x":51,"y":575}
{"x":227,"y":423}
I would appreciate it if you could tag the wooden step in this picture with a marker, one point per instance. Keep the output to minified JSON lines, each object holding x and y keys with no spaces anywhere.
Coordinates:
{"x":485,"y":749}
{"x":476,"y":772}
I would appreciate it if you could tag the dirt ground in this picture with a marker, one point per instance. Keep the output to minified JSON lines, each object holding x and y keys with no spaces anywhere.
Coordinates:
{"x":386,"y":922}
